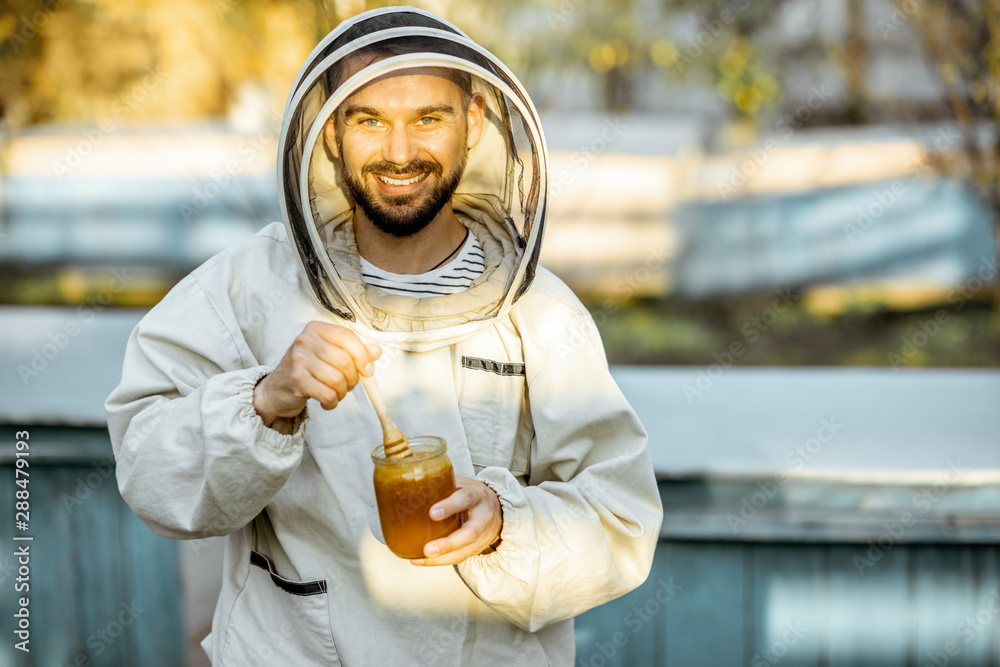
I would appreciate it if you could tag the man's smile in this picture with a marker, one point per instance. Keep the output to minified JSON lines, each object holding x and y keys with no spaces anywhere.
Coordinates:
{"x":396,"y":181}
{"x":399,"y":186}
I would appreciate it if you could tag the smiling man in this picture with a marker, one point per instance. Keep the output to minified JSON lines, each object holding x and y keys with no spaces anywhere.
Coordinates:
{"x":413,"y":177}
{"x":403,"y":143}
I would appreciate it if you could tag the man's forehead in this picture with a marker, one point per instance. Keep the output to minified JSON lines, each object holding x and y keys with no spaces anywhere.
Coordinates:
{"x":398,"y":87}
{"x":442,"y":81}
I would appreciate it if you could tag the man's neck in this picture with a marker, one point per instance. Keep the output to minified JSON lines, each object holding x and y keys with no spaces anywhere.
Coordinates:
{"x":414,"y":254}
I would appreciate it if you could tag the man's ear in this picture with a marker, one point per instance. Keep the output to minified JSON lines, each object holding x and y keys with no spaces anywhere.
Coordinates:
{"x":475,"y":118}
{"x":330,"y":132}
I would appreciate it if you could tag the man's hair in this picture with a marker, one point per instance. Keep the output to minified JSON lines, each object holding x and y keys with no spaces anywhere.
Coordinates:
{"x":396,"y":47}
{"x":381,"y":50}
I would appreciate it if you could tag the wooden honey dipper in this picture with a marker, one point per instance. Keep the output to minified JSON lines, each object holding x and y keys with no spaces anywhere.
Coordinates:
{"x":394,"y":443}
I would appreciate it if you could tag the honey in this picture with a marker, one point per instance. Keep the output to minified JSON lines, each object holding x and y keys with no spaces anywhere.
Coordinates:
{"x":405,"y":490}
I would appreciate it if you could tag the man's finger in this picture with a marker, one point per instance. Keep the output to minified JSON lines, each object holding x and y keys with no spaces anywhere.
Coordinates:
{"x":450,"y":558}
{"x":464,"y":542}
{"x":326,"y":395}
{"x":339,"y":363}
{"x":348,"y":341}
{"x":469,"y":533}
{"x":461,"y":499}
{"x":330,"y":377}
{"x":471,"y":538}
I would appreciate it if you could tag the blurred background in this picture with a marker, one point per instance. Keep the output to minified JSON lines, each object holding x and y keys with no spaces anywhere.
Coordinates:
{"x":783,"y":215}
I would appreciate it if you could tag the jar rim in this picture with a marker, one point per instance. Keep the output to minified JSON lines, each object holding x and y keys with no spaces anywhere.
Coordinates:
{"x":424,"y":447}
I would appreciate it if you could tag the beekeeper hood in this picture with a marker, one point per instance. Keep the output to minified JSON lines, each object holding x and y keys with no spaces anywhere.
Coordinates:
{"x":501,"y":196}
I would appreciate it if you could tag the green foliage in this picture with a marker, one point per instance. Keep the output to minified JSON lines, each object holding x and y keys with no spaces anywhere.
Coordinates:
{"x":677,"y":332}
{"x":731,"y":51}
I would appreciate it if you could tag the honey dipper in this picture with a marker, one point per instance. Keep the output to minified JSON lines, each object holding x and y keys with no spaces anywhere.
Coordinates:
{"x":394,"y":443}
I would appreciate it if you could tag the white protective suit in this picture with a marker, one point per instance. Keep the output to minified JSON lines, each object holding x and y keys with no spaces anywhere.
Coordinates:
{"x":511,"y":373}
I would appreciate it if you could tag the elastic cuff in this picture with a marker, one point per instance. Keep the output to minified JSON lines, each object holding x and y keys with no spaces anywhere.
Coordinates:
{"x":504,"y":511}
{"x":280,"y":432}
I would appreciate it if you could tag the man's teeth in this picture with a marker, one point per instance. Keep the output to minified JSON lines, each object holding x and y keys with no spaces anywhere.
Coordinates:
{"x":396,"y":181}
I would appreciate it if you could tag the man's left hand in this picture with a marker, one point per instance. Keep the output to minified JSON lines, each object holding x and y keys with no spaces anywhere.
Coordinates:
{"x":484,"y":519}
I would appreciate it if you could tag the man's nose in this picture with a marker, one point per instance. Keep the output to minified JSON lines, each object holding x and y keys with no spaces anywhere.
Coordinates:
{"x":400,"y":147}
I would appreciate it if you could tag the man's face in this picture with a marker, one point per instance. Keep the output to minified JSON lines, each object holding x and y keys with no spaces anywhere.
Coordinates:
{"x":402,"y":142}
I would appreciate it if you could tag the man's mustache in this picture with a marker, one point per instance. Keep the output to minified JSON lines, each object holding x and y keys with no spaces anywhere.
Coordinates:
{"x":390,"y":169}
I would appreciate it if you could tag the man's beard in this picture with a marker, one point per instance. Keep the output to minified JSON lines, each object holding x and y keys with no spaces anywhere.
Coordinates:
{"x":403,"y":215}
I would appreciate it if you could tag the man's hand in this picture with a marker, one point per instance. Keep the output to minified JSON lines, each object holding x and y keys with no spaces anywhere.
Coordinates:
{"x":480,"y":530}
{"x":322,"y":362}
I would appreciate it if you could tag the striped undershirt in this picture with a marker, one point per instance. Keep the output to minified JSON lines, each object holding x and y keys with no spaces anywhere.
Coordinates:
{"x":450,"y":278}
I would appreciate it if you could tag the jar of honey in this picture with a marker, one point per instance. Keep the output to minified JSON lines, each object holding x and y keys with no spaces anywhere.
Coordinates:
{"x":405,"y":490}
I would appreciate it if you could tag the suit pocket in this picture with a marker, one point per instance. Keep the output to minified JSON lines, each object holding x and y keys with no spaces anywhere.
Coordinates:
{"x":279,"y":621}
{"x":492,"y":400}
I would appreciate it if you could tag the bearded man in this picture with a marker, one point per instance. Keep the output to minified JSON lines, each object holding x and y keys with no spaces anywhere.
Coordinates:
{"x":413,"y":177}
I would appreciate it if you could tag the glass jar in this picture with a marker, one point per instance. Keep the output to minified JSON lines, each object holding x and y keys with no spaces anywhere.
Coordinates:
{"x":405,"y":490}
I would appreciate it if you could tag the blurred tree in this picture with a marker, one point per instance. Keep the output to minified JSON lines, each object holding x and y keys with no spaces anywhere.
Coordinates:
{"x":737,"y":50}
{"x":961,"y":39}
{"x":732,"y":50}
{"x":553,"y":42}
{"x":856,"y":62}
{"x":111,"y":61}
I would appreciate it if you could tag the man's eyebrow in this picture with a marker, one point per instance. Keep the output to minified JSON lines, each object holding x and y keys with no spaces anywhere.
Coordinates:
{"x":357,"y":110}
{"x":360,"y":110}
{"x":435,"y":108}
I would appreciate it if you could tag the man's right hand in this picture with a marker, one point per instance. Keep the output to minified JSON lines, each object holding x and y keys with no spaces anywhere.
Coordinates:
{"x":323,"y":362}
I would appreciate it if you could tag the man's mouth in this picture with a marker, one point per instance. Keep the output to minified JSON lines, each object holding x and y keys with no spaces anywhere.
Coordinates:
{"x":388,"y":180}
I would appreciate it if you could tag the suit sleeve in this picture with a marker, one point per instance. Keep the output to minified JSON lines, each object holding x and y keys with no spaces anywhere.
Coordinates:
{"x":193,"y":457}
{"x":582,"y":529}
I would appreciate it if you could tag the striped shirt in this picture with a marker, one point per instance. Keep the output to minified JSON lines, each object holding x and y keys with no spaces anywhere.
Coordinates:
{"x":451,"y":278}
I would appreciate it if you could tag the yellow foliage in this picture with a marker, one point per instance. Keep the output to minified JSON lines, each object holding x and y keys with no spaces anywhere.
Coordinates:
{"x":663,"y":52}
{"x":117,"y":61}
{"x":72,"y":286}
{"x":602,"y":57}
{"x":8,"y":22}
{"x":731,"y":63}
{"x":766,"y":84}
{"x":748,"y":99}
{"x":621,"y":52}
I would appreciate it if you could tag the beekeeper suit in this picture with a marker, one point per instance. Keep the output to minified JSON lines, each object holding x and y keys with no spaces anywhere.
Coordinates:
{"x":510,"y":372}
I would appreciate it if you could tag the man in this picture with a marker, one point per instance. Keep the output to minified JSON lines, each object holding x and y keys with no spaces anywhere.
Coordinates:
{"x":413,"y":175}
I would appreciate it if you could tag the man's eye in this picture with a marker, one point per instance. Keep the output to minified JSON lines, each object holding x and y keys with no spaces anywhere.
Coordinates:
{"x":427,"y":120}
{"x":370,"y":122}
